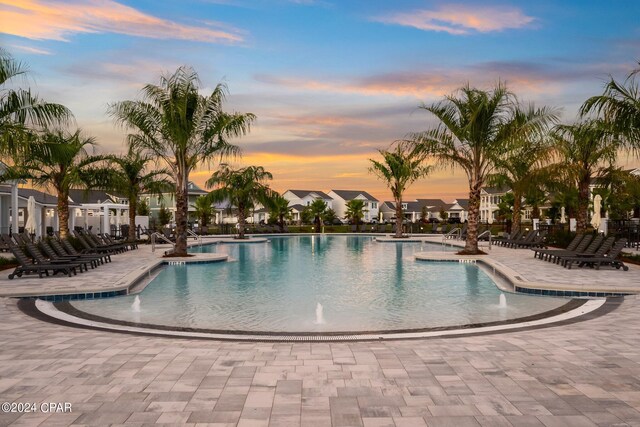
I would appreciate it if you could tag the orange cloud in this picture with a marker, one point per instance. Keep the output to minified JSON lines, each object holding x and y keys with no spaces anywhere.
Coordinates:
{"x":30,"y":49}
{"x":461,"y":19}
{"x":55,"y":20}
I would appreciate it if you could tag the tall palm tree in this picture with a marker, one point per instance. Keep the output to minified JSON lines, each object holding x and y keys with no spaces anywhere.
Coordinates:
{"x":355,"y":211}
{"x":400,"y":167}
{"x":21,"y":110}
{"x":203,"y":211}
{"x":318,"y":208}
{"x":476,"y":128}
{"x":523,"y":169}
{"x":184,"y":129}
{"x":619,"y":105}
{"x":61,"y":170}
{"x":242,"y":188}
{"x":130,"y":176}
{"x":586,"y":150}
{"x":279,"y":208}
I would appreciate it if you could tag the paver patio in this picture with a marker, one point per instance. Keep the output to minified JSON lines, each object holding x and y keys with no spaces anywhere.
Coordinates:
{"x":581,"y":374}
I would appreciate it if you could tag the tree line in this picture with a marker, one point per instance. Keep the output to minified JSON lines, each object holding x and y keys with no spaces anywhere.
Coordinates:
{"x":173,"y":129}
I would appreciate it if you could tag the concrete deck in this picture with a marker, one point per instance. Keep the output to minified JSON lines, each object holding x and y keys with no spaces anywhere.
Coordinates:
{"x":579,"y":374}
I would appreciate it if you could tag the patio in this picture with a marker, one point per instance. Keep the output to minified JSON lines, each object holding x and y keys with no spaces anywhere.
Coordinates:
{"x":583,"y":374}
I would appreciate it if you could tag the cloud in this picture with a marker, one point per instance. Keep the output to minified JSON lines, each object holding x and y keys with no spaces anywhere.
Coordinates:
{"x":57,"y":20}
{"x":431,"y":82}
{"x":30,"y":49}
{"x":461,"y":19}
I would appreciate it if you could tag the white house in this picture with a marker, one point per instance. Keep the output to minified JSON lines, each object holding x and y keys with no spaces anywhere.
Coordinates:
{"x":168,"y":200}
{"x":490,"y":197}
{"x":341,"y":197}
{"x":306,"y":197}
{"x":412,"y":209}
{"x":459,"y":209}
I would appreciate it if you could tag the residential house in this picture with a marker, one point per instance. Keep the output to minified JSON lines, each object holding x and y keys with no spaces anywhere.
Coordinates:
{"x":168,"y":201}
{"x":412,"y":209}
{"x":341,"y":197}
{"x":306,"y":197}
{"x":490,"y":197}
{"x":458,"y":209}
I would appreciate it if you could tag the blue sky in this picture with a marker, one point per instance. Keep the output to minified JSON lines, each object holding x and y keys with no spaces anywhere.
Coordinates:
{"x":330,"y":81}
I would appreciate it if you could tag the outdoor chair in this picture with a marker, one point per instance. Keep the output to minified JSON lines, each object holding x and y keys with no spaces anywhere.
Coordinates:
{"x":611,"y":258}
{"x":27,"y":266}
{"x":54,"y":257}
{"x":603,"y":249}
{"x":96,"y":241}
{"x":39,"y":258}
{"x":55,"y":244}
{"x":551,"y":254}
{"x":515,"y":234}
{"x":90,"y":246}
{"x":540,"y":252}
{"x":522,"y":239}
{"x":538,"y":241}
{"x":591,"y":249}
{"x":106,"y":256}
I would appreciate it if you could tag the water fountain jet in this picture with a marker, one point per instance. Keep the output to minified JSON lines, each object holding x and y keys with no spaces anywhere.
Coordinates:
{"x":136,"y":305}
{"x":319,"y":314}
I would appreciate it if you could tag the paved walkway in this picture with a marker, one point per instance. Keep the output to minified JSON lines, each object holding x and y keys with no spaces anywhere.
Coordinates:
{"x":581,"y":374}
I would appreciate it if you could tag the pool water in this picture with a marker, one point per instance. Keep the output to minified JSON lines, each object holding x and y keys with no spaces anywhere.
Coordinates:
{"x":362,"y":285}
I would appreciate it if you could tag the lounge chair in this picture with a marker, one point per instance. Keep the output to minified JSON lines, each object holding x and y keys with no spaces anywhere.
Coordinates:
{"x":106,"y":256}
{"x":62,"y":252}
{"x":90,"y":245}
{"x":510,"y":243}
{"x":610,"y":258}
{"x":39,"y":258}
{"x":538,"y":241}
{"x":541,"y":252}
{"x":100,"y":241}
{"x":591,"y":249}
{"x":515,"y":234}
{"x":55,"y":257}
{"x":28,"y":267}
{"x":604,"y":248}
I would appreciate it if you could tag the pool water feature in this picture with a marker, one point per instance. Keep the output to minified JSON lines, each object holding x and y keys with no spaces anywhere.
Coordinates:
{"x":350,"y":283}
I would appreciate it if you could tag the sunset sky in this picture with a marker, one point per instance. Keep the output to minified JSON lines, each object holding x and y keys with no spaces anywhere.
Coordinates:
{"x":330,"y":81}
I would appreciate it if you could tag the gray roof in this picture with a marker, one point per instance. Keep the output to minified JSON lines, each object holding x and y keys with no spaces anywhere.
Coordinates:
{"x":431,"y":202}
{"x":352,"y":194}
{"x":40,"y":197}
{"x":496,"y":190}
{"x":297,"y":207}
{"x":305,"y":193}
{"x":194,"y":189}
{"x":91,"y":196}
{"x":464,"y":203}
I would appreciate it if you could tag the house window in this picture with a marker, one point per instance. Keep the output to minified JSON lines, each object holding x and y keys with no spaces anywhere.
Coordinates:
{"x":308,"y":203}
{"x":374,"y":205}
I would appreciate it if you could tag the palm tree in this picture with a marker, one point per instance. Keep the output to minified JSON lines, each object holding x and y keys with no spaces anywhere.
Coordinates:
{"x":130,"y":176}
{"x":318,"y":208}
{"x":203,"y":211}
{"x":399,"y":169}
{"x":619,"y":105}
{"x":355,"y":211}
{"x":586,"y":150}
{"x":524,"y":168}
{"x":279,"y":208}
{"x":477,"y":128}
{"x":61,"y":169}
{"x":179,"y":126}
{"x":242,"y":188}
{"x":20,"y":109}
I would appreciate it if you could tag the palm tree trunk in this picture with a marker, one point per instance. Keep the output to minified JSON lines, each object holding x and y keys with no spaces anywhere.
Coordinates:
{"x":517,"y":206}
{"x":399,"y":217}
{"x":63,"y":214}
{"x":471,"y":246}
{"x":281,"y":223}
{"x":241,"y":221}
{"x":182,"y":209}
{"x":583,"y":206}
{"x":133,"y":205}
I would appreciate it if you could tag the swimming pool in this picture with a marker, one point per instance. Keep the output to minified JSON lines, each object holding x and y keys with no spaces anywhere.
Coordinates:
{"x":361,"y":285}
